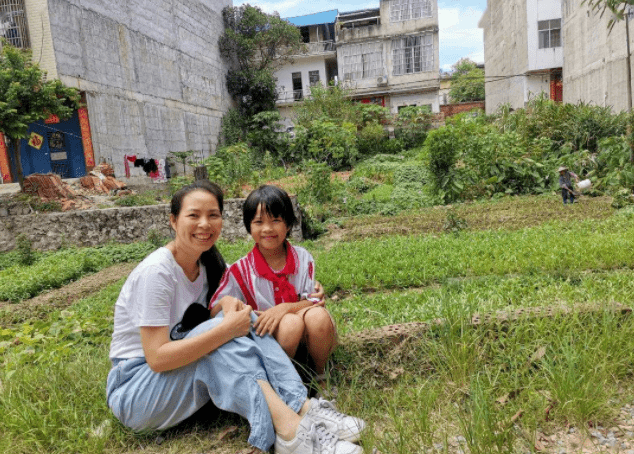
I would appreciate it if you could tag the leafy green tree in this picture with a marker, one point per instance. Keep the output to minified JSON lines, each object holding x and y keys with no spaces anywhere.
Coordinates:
{"x":26,"y":98}
{"x":616,"y":7}
{"x":256,"y":44}
{"x":467,"y":82}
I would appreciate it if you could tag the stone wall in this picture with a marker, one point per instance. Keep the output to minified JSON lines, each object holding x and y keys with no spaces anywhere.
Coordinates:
{"x":123,"y":225}
{"x":151,"y":70}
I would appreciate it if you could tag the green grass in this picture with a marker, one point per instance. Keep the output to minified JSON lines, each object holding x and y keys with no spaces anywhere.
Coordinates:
{"x":406,"y":261}
{"x":454,"y":380}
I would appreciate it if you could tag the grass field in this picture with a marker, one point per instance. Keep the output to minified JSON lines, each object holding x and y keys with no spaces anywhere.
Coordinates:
{"x":492,"y":388}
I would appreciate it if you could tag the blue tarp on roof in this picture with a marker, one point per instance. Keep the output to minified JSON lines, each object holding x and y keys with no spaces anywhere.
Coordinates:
{"x":325,"y":17}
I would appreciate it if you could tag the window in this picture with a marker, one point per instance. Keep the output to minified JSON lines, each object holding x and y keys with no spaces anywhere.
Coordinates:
{"x":313,"y":77}
{"x":362,"y":61}
{"x":413,"y":54}
{"x":402,"y":10}
{"x":13,"y":25}
{"x":549,"y":33}
{"x":298,"y":90}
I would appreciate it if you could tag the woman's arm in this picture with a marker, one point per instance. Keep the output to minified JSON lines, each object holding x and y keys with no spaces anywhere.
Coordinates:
{"x":163,"y":354}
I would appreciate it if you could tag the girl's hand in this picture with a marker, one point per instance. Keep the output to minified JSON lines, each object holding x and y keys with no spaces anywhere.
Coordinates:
{"x":238,"y":321}
{"x":269,"y":320}
{"x":319,"y":293}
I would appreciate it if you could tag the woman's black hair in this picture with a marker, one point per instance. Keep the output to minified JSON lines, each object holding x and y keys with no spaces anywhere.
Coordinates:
{"x":276,"y":203}
{"x":214,"y":264}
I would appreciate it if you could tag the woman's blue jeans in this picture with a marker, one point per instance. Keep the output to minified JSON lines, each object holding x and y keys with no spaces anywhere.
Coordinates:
{"x":142,"y":399}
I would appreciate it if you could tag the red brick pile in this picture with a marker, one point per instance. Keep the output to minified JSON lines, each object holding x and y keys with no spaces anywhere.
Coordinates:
{"x":101,"y":179}
{"x":105,"y":184}
{"x":50,"y":187}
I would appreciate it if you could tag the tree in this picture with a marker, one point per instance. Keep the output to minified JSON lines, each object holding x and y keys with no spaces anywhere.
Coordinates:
{"x":256,"y":44}
{"x":467,"y":82}
{"x":26,"y":98}
{"x":616,"y":7}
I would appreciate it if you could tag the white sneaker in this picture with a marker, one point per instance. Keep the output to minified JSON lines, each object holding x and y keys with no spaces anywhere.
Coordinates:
{"x":345,"y":427}
{"x":314,"y":440}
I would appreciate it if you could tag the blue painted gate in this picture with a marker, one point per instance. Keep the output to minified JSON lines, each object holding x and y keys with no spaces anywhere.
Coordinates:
{"x":62,"y":151}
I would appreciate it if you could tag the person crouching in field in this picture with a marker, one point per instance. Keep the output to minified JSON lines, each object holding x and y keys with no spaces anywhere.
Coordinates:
{"x":565,"y":184}
{"x":277,"y":280}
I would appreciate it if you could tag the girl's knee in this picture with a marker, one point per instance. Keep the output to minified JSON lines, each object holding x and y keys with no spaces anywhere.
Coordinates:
{"x":290,"y":331}
{"x":318,"y":319}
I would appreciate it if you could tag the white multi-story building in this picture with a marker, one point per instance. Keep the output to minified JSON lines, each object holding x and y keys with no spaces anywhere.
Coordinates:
{"x":386,"y":55}
{"x":523,"y":51}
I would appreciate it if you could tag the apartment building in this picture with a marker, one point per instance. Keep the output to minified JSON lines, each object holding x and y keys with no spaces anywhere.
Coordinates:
{"x":523,"y":51}
{"x":150,"y":74}
{"x":386,"y":55}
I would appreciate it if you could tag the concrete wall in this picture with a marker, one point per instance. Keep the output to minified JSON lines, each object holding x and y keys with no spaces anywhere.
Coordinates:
{"x":414,"y":99}
{"x":505,"y":52}
{"x":303,"y":65}
{"x":50,"y":231}
{"x":151,"y":71}
{"x":538,"y":10}
{"x":594,"y":68}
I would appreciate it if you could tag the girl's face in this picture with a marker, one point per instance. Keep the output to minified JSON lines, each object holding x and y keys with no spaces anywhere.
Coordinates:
{"x":267,"y":231}
{"x":198,"y":224}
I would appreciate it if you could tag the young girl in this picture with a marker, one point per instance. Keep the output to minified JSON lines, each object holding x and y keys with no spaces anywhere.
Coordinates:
{"x":276,"y":280}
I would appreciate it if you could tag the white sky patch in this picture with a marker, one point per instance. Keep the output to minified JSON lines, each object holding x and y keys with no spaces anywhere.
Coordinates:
{"x":459,"y":35}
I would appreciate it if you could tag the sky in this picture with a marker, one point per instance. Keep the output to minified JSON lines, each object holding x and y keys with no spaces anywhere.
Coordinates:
{"x":459,"y":34}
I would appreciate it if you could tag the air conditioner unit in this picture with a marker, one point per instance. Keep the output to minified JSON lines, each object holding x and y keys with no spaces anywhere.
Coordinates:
{"x":381,"y":81}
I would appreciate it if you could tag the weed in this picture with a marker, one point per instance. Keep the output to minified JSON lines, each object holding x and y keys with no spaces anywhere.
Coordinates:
{"x":24,"y":249}
{"x":454,"y":223}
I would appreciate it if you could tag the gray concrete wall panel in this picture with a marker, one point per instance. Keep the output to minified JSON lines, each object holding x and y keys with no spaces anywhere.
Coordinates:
{"x":151,"y":70}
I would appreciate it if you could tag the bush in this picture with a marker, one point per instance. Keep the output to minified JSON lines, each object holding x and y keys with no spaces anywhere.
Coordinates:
{"x":412,"y":124}
{"x":318,"y":187}
{"x":24,"y":250}
{"x":327,"y":142}
{"x":371,"y":139}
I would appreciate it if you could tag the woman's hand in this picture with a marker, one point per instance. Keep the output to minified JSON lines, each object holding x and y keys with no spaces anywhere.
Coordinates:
{"x":269,"y":320}
{"x":230,"y":304}
{"x":238,"y":321}
{"x":319,"y":293}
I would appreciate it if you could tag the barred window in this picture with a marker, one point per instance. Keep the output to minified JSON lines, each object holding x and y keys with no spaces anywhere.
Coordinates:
{"x":362,"y":61}
{"x":413,"y":54}
{"x":402,"y":10}
{"x":13,"y":23}
{"x":549,"y":33}
{"x":313,"y":77}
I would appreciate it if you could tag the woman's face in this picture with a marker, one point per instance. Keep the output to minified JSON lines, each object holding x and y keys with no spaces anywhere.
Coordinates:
{"x":199,"y":222}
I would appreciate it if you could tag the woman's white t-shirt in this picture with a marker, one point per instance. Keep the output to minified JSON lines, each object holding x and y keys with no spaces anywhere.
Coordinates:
{"x":156,"y":293}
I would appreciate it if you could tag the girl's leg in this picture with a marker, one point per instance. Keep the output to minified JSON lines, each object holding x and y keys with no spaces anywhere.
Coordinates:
{"x":289,"y":333}
{"x":321,"y":336}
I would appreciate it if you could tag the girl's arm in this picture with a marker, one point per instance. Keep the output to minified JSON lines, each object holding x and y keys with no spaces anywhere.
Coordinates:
{"x":163,"y":354}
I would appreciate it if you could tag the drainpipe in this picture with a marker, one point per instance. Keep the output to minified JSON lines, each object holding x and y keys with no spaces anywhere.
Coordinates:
{"x":629,"y":11}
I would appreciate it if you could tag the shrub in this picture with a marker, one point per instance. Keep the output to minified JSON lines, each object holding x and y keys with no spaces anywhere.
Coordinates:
{"x":318,"y":187}
{"x":371,"y":139}
{"x":412,"y":124}
{"x":327,"y":142}
{"x":24,"y":250}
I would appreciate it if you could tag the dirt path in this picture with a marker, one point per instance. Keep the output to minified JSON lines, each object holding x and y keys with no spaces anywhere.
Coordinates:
{"x":67,"y":295}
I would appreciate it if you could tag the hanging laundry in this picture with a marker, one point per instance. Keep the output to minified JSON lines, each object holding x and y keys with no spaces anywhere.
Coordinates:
{"x":150,"y":166}
{"x":168,"y":171}
{"x":131,"y":158}
{"x":126,"y":165}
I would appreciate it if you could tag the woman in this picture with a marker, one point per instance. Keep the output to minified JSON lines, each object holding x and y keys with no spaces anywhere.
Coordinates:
{"x":161,"y":375}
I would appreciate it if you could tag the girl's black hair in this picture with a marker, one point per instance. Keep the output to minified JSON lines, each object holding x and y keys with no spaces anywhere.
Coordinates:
{"x":275,"y":201}
{"x":214,"y":264}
